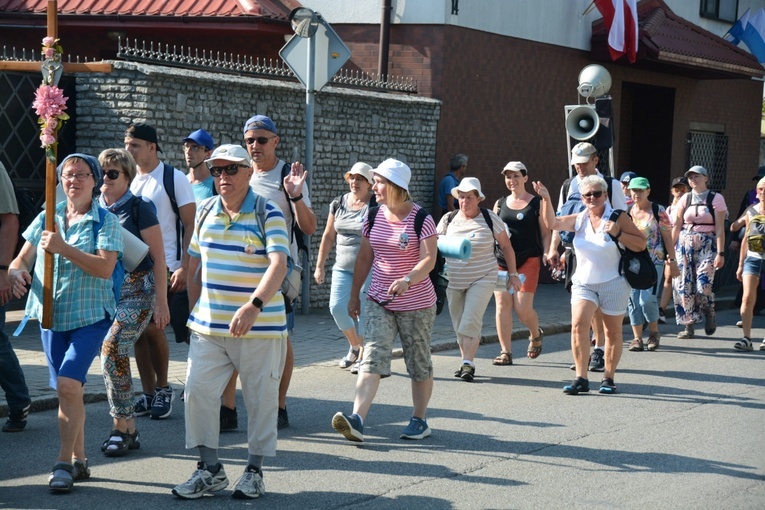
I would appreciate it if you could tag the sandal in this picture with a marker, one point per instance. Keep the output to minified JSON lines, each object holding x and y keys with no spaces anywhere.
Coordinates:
{"x":60,"y":480}
{"x":119,"y":443}
{"x":743,"y":345}
{"x":505,"y":358}
{"x":350,"y":358}
{"x":534,"y":351}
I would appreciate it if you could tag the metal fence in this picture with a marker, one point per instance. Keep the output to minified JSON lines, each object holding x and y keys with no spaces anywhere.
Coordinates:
{"x":222,"y":62}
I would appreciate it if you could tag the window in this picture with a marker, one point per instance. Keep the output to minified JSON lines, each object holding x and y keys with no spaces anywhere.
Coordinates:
{"x":723,"y":10}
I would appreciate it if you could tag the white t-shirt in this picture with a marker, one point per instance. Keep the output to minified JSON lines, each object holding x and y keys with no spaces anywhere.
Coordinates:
{"x":150,"y":188}
{"x":269,"y":185}
{"x":597,"y":255}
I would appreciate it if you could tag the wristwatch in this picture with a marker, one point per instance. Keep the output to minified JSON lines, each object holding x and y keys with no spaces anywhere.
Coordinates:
{"x":257,"y":302}
{"x":297,"y":198}
{"x":408,"y":280}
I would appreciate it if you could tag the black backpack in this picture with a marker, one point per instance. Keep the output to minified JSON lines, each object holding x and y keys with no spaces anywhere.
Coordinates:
{"x":707,"y":203}
{"x":573,"y":205}
{"x":439,"y":282}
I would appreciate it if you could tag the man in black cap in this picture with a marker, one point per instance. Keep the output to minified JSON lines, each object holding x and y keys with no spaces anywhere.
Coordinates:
{"x":169,"y":190}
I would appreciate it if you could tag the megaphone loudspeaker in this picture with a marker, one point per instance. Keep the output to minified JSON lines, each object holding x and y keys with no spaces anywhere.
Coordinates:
{"x":582,"y":123}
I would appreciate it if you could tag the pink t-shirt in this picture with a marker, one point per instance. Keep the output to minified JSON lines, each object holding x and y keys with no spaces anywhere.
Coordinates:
{"x":697,"y":214}
{"x":396,"y":251}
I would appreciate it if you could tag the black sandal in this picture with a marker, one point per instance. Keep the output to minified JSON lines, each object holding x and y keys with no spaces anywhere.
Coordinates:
{"x":119,"y":443}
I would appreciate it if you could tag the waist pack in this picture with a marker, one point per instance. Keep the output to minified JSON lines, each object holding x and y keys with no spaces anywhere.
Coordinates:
{"x":636,"y":266}
{"x":755,"y":234}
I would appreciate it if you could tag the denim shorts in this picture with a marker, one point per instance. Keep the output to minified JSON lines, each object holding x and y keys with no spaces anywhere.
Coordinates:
{"x":754,"y":266}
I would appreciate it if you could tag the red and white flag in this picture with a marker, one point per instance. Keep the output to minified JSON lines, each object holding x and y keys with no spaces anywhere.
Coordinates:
{"x":620,"y":17}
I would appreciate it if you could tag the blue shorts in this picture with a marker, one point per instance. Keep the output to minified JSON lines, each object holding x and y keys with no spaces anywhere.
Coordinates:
{"x":70,"y":353}
{"x":754,"y":266}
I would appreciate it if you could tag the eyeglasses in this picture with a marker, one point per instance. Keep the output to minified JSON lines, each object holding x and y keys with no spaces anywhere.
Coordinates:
{"x":384,"y":302}
{"x":113,"y":175}
{"x":74,"y":177}
{"x":194,"y":148}
{"x":216,"y":171}
{"x":262,"y":140}
{"x":592,"y":194}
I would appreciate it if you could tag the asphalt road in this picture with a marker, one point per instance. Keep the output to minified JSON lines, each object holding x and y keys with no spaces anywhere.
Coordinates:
{"x":686,"y":430}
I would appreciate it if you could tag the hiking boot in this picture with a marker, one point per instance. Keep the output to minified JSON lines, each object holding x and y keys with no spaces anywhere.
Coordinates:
{"x":687,"y":332}
{"x":349,"y":426}
{"x":250,"y":485}
{"x":282,"y":419}
{"x":417,"y":429}
{"x":710,"y":324}
{"x":202,"y":480}
{"x":636,"y":345}
{"x":142,"y":405}
{"x":579,"y":385}
{"x":467,"y":372}
{"x":662,"y":316}
{"x":597,"y":361}
{"x":228,"y":419}
{"x":162,"y":405}
{"x":653,"y":341}
{"x":17,"y":420}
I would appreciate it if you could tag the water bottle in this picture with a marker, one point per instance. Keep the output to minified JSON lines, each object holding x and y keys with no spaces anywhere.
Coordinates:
{"x":502,"y":282}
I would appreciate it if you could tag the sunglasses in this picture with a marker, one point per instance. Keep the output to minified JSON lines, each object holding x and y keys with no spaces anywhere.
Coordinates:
{"x":216,"y":171}
{"x":593,"y":194}
{"x":384,"y":302}
{"x":113,"y":175}
{"x":262,"y":140}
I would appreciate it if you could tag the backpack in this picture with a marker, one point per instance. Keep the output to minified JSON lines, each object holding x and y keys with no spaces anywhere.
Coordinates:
{"x":755,"y":234}
{"x":436,"y":278}
{"x":28,"y":211}
{"x":707,"y":203}
{"x":168,"y":181}
{"x":636,"y":266}
{"x":574,"y":205}
{"x":118,"y":275}
{"x":291,"y":284}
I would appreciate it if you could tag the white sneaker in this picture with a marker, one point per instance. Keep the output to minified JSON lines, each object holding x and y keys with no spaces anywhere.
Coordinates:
{"x":202,"y":481}
{"x":250,"y":485}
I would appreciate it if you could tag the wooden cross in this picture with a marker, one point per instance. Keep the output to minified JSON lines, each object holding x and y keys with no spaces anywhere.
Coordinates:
{"x":50,"y":166}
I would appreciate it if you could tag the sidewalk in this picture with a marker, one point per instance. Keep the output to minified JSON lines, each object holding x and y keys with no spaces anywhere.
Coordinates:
{"x":316,"y":341}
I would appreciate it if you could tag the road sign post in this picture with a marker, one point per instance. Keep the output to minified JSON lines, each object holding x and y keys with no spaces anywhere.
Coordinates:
{"x":315,"y":54}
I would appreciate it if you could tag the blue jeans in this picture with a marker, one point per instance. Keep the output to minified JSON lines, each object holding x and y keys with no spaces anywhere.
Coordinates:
{"x":11,"y":377}
{"x":643,"y":305}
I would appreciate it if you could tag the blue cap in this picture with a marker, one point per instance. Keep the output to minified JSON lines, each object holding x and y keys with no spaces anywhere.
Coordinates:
{"x":259,"y":122}
{"x":201,"y":137}
{"x":627,"y":177}
{"x":98,"y":173}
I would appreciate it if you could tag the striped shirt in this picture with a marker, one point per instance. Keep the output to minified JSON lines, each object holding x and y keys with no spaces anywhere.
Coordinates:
{"x":79,"y":299}
{"x":396,"y":251}
{"x":234,"y":259}
{"x":482,"y":264}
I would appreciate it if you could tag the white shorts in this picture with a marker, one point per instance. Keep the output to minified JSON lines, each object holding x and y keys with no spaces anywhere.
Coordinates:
{"x":611,"y":296}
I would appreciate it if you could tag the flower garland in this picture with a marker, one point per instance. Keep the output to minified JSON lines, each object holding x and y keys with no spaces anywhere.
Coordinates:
{"x":50,"y":102}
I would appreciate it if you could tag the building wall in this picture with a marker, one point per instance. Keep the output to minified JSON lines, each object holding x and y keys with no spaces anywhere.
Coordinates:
{"x":350,"y":125}
{"x":508,"y":103}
